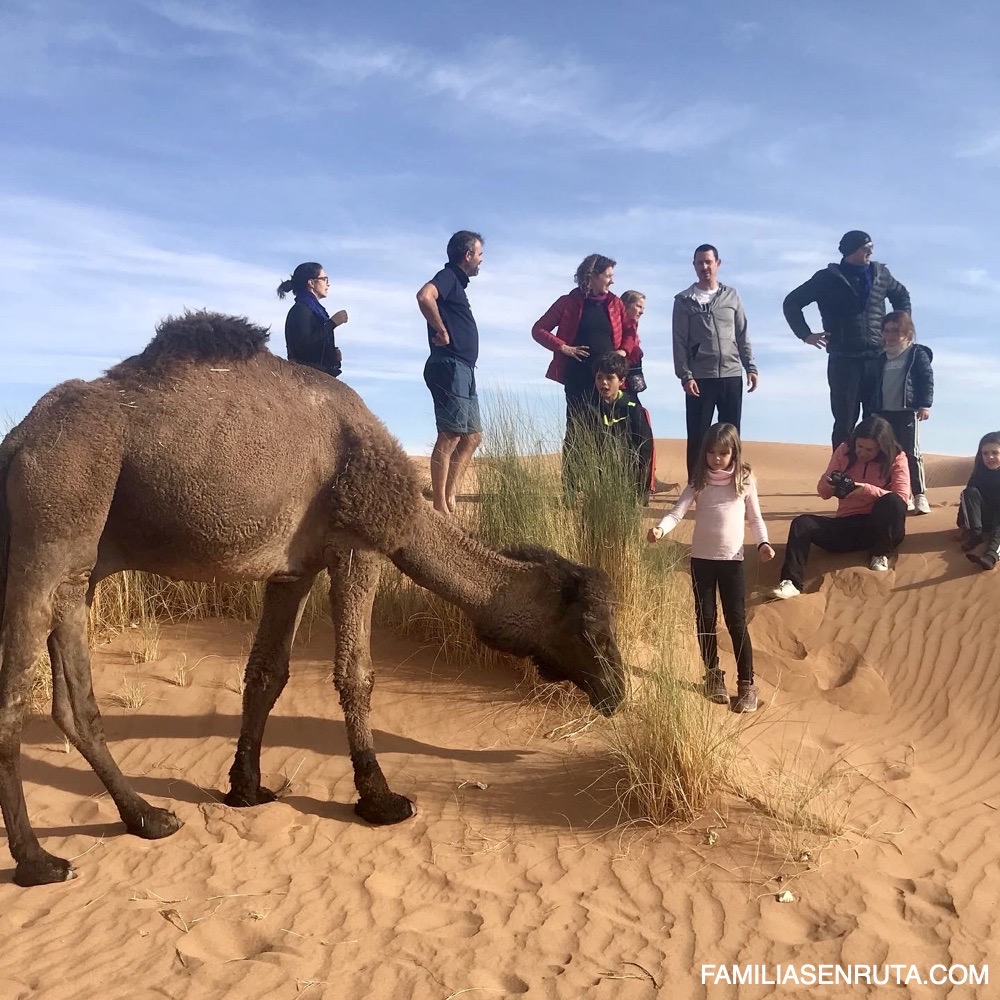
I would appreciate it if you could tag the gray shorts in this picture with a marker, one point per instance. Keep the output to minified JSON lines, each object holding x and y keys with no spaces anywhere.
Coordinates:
{"x":453,"y":387}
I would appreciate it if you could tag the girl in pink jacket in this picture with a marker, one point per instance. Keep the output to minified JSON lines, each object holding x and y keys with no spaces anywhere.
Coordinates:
{"x":870,"y":477}
{"x":725,"y":494}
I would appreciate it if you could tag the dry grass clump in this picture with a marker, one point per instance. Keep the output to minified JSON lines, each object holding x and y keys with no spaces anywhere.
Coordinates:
{"x":144,"y":641}
{"x":804,"y":797}
{"x":131,"y":694}
{"x":40,"y":698}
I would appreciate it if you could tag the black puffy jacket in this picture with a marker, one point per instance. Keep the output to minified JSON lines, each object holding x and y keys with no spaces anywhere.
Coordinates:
{"x":855,"y":331}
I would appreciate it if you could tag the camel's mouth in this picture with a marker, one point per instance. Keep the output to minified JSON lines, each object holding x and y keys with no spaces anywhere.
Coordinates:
{"x":608,"y":703}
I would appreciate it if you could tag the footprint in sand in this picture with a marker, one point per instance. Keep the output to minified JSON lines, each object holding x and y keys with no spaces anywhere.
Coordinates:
{"x":441,"y":920}
{"x":218,"y":941}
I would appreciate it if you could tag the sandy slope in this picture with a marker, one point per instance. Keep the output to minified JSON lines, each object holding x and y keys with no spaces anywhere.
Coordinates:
{"x":531,"y":886}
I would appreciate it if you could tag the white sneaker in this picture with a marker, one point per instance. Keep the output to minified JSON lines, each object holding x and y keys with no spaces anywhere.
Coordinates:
{"x":786,"y":589}
{"x":921,"y":504}
{"x":910,"y":505}
{"x":879,"y":564}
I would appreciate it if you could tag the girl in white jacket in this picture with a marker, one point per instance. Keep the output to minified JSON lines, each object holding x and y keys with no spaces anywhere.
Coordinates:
{"x":725,"y":496}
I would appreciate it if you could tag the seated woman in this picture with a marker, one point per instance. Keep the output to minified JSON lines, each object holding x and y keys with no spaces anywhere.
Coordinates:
{"x":870,"y":477}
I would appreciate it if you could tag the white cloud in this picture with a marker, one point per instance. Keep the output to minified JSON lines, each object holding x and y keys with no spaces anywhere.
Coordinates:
{"x":985,"y":145}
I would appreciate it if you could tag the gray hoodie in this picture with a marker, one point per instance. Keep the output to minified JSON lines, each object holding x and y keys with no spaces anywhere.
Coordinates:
{"x":711,"y":342}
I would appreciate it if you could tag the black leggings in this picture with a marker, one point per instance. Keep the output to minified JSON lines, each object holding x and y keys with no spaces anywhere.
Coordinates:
{"x":880,"y":532}
{"x":726,"y":575}
{"x":977,"y":514}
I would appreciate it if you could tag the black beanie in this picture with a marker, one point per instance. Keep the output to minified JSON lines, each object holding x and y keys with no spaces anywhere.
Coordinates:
{"x":850,"y":242}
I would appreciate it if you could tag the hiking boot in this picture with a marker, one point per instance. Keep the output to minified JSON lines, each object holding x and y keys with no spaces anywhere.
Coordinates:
{"x":746,"y":697}
{"x":785,"y":589}
{"x":714,"y":686}
{"x":985,"y":561}
{"x":921,"y":505}
{"x":879,"y":564}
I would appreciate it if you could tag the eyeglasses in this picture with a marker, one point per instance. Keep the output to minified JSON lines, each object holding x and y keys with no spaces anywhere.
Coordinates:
{"x":322,"y":277}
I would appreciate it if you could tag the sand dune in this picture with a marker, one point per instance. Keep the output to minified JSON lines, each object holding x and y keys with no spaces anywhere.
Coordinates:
{"x":518,"y":876}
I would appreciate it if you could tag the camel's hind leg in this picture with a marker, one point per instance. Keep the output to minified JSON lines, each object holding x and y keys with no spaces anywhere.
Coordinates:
{"x":75,"y":711}
{"x":266,"y":676}
{"x":354,"y":576}
{"x":21,"y":644}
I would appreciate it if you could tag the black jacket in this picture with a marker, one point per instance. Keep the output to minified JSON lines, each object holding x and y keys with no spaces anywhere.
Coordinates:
{"x":918,"y":389}
{"x":987,"y":481}
{"x":855,"y":332}
{"x":309,"y":340}
{"x":625,"y":423}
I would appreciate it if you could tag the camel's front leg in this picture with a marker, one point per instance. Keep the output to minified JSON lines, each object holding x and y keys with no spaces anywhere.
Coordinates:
{"x":354,"y":578}
{"x":265,"y":678}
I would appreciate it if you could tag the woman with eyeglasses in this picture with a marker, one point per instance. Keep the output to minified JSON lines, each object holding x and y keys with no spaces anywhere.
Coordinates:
{"x":309,"y":337}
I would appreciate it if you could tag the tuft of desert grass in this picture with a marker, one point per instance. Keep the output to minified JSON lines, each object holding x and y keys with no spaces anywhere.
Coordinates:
{"x":40,"y":692}
{"x":144,"y":641}
{"x":131,"y":695}
{"x":804,"y":797}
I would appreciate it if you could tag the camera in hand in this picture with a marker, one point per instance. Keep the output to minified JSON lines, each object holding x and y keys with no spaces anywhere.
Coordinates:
{"x":842,"y":485}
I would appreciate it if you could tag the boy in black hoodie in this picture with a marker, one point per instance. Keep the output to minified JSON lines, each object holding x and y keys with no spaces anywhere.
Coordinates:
{"x":979,"y":505}
{"x":621,"y":418}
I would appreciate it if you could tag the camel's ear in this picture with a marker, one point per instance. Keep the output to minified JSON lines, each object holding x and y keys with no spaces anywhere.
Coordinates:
{"x":573,"y":585}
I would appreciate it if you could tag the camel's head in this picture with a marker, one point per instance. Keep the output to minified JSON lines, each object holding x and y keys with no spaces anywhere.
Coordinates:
{"x":579,"y":643}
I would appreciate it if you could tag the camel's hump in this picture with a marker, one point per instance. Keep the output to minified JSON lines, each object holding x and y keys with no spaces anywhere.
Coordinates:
{"x":198,"y":336}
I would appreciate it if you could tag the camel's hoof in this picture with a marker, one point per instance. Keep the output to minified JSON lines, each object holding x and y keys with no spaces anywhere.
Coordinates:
{"x":388,"y":809}
{"x":243,"y":799}
{"x":43,"y":872}
{"x":155,"y":824}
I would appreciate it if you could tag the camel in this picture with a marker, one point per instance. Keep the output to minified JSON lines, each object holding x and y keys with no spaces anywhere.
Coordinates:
{"x":207,"y":457}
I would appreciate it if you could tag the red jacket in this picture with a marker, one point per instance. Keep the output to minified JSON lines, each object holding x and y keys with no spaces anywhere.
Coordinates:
{"x":872,"y":482}
{"x":564,"y":315}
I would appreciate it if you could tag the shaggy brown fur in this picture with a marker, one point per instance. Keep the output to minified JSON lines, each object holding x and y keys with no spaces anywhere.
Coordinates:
{"x":206,"y":457}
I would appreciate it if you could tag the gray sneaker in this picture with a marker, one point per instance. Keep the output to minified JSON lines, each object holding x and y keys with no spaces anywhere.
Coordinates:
{"x":714,"y":686}
{"x":879,"y":564}
{"x":746,"y":698}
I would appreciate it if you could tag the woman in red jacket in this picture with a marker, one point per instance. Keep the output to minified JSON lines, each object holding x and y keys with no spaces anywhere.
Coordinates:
{"x":582,"y":326}
{"x":870,"y":477}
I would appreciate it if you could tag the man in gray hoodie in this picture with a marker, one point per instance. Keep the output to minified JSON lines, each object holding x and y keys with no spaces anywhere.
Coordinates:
{"x":711,"y":351}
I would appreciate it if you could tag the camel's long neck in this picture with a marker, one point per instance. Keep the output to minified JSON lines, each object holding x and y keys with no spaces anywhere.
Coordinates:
{"x":449,"y":562}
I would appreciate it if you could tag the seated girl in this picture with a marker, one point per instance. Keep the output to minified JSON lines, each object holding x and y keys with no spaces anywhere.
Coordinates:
{"x":870,"y":477}
{"x":979,"y":505}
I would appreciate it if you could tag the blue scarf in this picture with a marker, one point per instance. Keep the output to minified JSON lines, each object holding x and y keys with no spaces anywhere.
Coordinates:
{"x":863,"y":273}
{"x":313,"y":305}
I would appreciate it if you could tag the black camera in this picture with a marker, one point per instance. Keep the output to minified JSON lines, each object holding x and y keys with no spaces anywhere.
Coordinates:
{"x":842,"y":485}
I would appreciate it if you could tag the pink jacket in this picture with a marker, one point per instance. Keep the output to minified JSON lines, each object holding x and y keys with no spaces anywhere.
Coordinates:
{"x":564,"y":315}
{"x":873,"y":482}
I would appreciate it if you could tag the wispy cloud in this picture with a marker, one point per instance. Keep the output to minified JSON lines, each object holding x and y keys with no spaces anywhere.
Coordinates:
{"x":499,"y":83}
{"x":984,"y":146}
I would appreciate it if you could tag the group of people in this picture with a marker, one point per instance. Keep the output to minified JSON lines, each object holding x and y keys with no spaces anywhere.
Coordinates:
{"x":875,"y":370}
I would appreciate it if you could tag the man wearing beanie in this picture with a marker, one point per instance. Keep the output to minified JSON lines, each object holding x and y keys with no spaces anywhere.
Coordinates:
{"x":851,"y":299}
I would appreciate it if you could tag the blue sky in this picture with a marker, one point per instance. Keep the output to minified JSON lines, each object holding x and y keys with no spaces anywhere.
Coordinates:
{"x":169,"y":154}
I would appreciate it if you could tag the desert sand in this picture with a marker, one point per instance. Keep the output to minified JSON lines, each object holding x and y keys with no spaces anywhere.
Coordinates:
{"x":520,"y":876}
